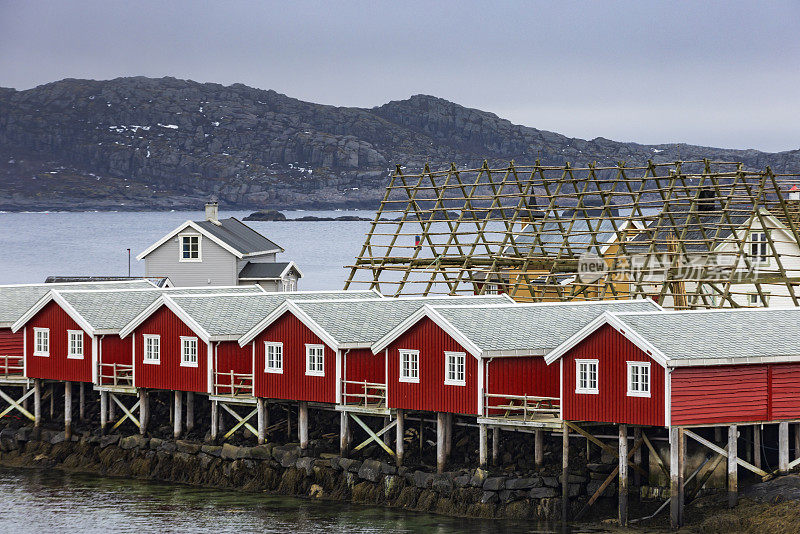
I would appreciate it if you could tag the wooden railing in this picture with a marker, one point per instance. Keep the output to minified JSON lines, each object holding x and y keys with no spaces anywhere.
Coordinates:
{"x":524,"y":407}
{"x":11,"y":366}
{"x":367,"y":394}
{"x":121,"y":374}
{"x":238,"y":384}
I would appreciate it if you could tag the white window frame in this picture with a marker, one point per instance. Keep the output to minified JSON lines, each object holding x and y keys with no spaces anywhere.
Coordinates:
{"x":455,"y":381}
{"x":402,"y":377}
{"x":754,"y":299}
{"x":74,"y":355}
{"x":587,"y":390}
{"x":188,"y":340}
{"x":639,"y":392}
{"x":273,"y":369}
{"x":145,"y":346}
{"x":36,"y":332}
{"x":759,"y":247}
{"x":311,"y":370}
{"x":199,"y":257}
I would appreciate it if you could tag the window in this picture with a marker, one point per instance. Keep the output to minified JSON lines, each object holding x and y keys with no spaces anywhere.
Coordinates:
{"x":759,"y":252}
{"x":152,"y":349}
{"x":190,"y":248}
{"x":41,"y":342}
{"x":586,"y":376}
{"x":754,"y":299}
{"x":75,"y":344}
{"x":409,"y":366}
{"x":273,"y":357}
{"x":454,"y":368}
{"x":188,"y":351}
{"x":638,"y":379}
{"x":492,"y":289}
{"x":315,"y":360}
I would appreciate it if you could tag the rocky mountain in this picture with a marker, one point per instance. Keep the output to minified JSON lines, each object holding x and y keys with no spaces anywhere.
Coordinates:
{"x":136,"y":143}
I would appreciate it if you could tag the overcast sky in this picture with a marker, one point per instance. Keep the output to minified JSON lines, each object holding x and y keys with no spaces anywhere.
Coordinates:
{"x":711,"y":73}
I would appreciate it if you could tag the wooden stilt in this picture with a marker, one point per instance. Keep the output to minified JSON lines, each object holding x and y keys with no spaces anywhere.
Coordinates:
{"x":398,"y":443}
{"x":441,"y":423}
{"x":25,"y":403}
{"x":588,"y":450}
{"x":144,"y":410}
{"x":757,"y":446}
{"x":302,"y":424}
{"x":733,"y":483}
{"x":564,"y":474}
{"x":103,"y":411}
{"x":52,"y":389}
{"x":37,"y":405}
{"x":189,"y":411}
{"x":288,"y":422}
{"x":482,"y":445}
{"x":783,"y":447}
{"x":538,"y":453}
{"x":717,"y":434}
{"x":682,"y":472}
{"x":387,"y":438}
{"x":448,"y":435}
{"x":421,"y":434}
{"x":675,"y":464}
{"x":748,"y":438}
{"x":172,"y":413}
{"x":68,"y":410}
{"x":82,"y":403}
{"x":495,"y":446}
{"x":344,"y":434}
{"x":797,"y":441}
{"x":637,"y":457}
{"x":112,"y":416}
{"x":262,"y":423}
{"x":177,"y":426}
{"x":221,"y":426}
{"x":623,"y":475}
{"x":214,"y":419}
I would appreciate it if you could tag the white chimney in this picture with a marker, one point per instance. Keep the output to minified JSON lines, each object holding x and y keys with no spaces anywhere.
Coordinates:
{"x":212,"y":212}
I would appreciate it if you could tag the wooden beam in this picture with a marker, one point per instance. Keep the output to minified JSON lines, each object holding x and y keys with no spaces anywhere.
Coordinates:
{"x":609,"y":479}
{"x":103,"y":410}
{"x":600,"y":444}
{"x":242,"y":421}
{"x":344,"y":434}
{"x":17,"y":404}
{"x":214,"y":419}
{"x":675,"y":464}
{"x":441,"y":456}
{"x":623,"y":475}
{"x":144,"y":410}
{"x":654,"y":453}
{"x":126,"y":414}
{"x":189,"y":411}
{"x":733,"y":467}
{"x":783,"y":447}
{"x":399,"y":444}
{"x":372,"y":435}
{"x":719,"y":450}
{"x":302,"y":425}
{"x":67,"y":410}
{"x":538,"y":438}
{"x":565,"y":473}
{"x":262,"y":427}
{"x":757,"y":446}
{"x":483,"y":446}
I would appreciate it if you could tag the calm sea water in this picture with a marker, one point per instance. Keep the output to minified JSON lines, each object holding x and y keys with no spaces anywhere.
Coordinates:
{"x":36,"y":245}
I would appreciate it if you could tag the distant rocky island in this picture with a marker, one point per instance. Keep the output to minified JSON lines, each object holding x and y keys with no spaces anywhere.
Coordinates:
{"x":274,"y":215}
{"x":141,"y":143}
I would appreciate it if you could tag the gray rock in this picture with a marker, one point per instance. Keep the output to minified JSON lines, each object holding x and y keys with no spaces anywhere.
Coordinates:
{"x":388,"y":469}
{"x":523,"y":483}
{"x":155,"y":443}
{"x":306,"y":464}
{"x":168,"y":446}
{"x":443,"y":485}
{"x":212,"y":450}
{"x":544,"y":492}
{"x":421,"y":479}
{"x":229,"y":452}
{"x":573,"y":479}
{"x":551,"y":482}
{"x":461,"y":481}
{"x":58,"y":438}
{"x":135,"y":441}
{"x":24,"y":433}
{"x":488,"y":497}
{"x":370,"y":470}
{"x":348,"y":464}
{"x":259,"y":452}
{"x":105,"y":441}
{"x":188,"y":447}
{"x":494,"y":484}
{"x":478,"y":478}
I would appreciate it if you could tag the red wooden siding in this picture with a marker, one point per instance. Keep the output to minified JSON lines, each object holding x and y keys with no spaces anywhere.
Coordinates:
{"x":361,"y":365}
{"x":114,"y":350}
{"x":735,"y":393}
{"x":431,"y":393}
{"x":293,"y":383}
{"x":527,"y":375}
{"x":612,"y":404}
{"x":57,"y":366}
{"x":169,"y":374}
{"x":11,"y":351}
{"x":231,"y":357}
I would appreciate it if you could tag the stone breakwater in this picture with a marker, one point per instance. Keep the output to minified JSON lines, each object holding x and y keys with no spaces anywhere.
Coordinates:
{"x":287,"y":470}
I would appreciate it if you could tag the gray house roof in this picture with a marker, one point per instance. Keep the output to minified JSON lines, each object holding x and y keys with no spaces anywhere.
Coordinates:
{"x":364,"y":322}
{"x":239,"y":236}
{"x":264,"y":271}
{"x":15,"y":300}
{"x":720,"y":336}
{"x":531,"y":328}
{"x":233,"y":316}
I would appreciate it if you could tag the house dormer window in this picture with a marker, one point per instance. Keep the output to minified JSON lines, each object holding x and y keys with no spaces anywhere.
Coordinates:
{"x":190,"y":247}
{"x":759,"y":251}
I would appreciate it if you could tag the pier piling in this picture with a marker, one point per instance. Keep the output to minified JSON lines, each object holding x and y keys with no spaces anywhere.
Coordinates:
{"x":733,"y":467}
{"x":262,"y":424}
{"x":399,"y":445}
{"x":189,"y":411}
{"x":67,"y":410}
{"x":623,"y":475}
{"x":302,"y":424}
{"x":441,"y":419}
{"x":177,"y":419}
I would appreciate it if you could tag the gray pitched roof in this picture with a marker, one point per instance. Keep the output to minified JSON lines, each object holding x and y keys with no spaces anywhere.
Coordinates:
{"x":365,"y":322}
{"x":262,"y":271}
{"x":112,"y":310}
{"x":531,"y":327}
{"x":719,"y":334}
{"x":239,"y":236}
{"x":15,"y":300}
{"x":234,"y":316}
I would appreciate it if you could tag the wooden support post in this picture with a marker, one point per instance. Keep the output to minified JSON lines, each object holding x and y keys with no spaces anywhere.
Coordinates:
{"x":37,"y":405}
{"x":25,"y":403}
{"x":482,"y":445}
{"x":748,"y":438}
{"x":111,"y":410}
{"x":623,"y":475}
{"x":717,"y":434}
{"x":441,"y":459}
{"x":67,"y":410}
{"x":172,"y":413}
{"x":176,"y":432}
{"x":757,"y":446}
{"x":733,"y":483}
{"x":262,"y":423}
{"x":783,"y":447}
{"x":797,"y":441}
{"x":564,"y":474}
{"x":398,"y":444}
{"x":144,"y":410}
{"x":103,"y":411}
{"x":637,"y":457}
{"x":495,"y":446}
{"x":682,"y":472}
{"x":221,"y":427}
{"x":189,"y":411}
{"x":675,"y":469}
{"x":288,"y":422}
{"x":387,"y":438}
{"x":214,"y":419}
{"x":344,"y":434}
{"x":82,"y":403}
{"x":538,"y":442}
{"x":588,"y":450}
{"x":52,"y":401}
{"x":302,"y":424}
{"x":448,"y":436}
